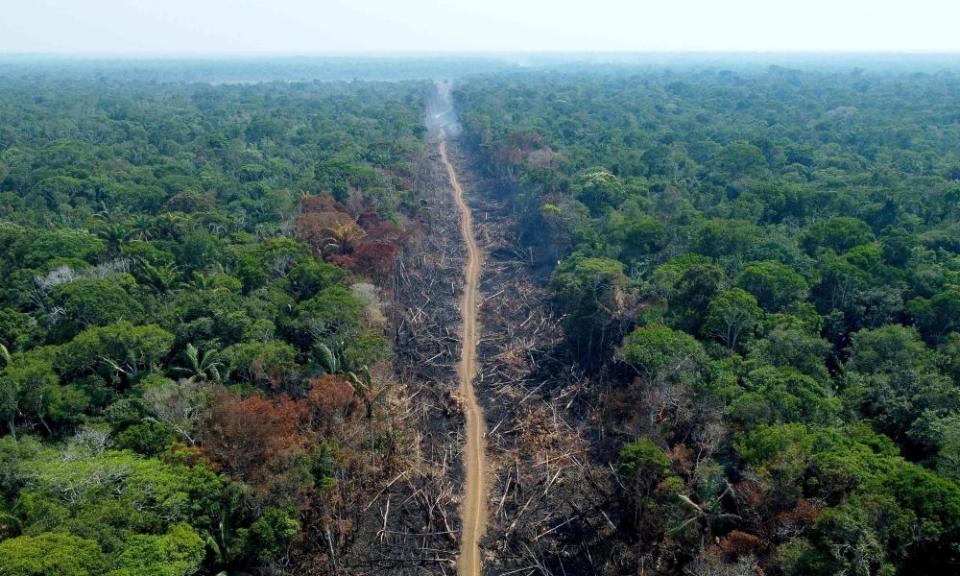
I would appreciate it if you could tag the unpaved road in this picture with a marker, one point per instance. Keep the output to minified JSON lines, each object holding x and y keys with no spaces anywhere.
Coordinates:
{"x":475,"y":495}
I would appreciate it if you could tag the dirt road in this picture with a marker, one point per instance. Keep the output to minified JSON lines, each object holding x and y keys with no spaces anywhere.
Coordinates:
{"x":475,"y":496}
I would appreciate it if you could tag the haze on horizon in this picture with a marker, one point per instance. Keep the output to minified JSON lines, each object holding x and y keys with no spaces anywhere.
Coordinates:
{"x":224,"y":27}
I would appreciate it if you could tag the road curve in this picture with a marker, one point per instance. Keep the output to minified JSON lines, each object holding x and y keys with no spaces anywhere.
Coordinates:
{"x":474,"y":510}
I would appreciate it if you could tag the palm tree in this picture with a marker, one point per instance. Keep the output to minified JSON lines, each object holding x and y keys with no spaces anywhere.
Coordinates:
{"x":115,"y":234}
{"x":203,"y":365}
{"x":340,"y":238}
{"x":169,"y":225}
{"x":199,"y":281}
{"x":364,"y":387}
{"x":142,"y":226}
{"x":360,"y":380}
{"x":326,"y":358}
{"x":161,"y":278}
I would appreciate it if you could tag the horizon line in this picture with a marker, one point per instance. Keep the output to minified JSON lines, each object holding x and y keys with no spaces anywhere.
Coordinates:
{"x":228,"y":54}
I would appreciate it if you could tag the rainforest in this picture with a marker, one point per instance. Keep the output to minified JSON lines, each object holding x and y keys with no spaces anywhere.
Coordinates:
{"x":362,"y":316}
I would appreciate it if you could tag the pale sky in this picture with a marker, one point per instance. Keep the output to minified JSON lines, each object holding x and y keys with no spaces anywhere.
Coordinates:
{"x":138,"y":27}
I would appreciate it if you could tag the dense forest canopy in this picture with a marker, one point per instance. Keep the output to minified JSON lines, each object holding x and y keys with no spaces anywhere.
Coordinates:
{"x":758,"y":266}
{"x":189,"y":324}
{"x":766,"y":263}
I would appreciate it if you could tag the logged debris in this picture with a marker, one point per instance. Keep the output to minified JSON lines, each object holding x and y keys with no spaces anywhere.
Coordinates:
{"x":406,"y":519}
{"x":549,"y":499}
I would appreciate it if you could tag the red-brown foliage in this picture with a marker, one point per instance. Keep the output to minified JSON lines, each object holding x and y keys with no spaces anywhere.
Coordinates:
{"x":737,"y":543}
{"x":247,"y":437}
{"x":329,"y":232}
{"x":265,"y":442}
{"x":321,"y":203}
{"x":752,"y":494}
{"x":332,"y":401}
{"x":341,"y":260}
{"x":378,"y":229}
{"x":797,"y":521}
{"x":312,"y":226}
{"x":352,"y":236}
{"x":367,"y":218}
{"x":381,"y":231}
{"x":375,"y":260}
